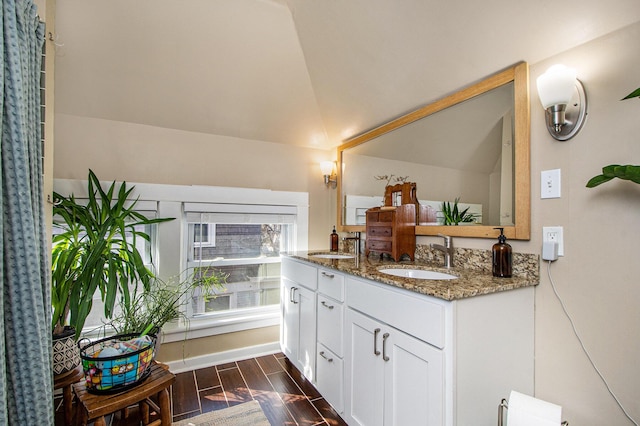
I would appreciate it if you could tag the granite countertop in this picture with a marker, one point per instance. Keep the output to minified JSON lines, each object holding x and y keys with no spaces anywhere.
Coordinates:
{"x":470,"y":282}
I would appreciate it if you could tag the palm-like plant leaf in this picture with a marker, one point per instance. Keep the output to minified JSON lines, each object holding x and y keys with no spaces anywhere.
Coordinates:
{"x":92,"y":253}
{"x":634,"y":94}
{"x":626,"y":172}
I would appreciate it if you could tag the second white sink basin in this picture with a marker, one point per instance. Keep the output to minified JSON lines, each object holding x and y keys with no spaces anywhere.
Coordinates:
{"x":420,"y":274}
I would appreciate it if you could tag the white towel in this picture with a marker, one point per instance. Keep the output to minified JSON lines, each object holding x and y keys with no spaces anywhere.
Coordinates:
{"x":525,"y":410}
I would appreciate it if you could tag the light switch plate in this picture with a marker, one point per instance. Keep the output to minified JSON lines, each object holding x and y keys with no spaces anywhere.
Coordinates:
{"x":550,"y":183}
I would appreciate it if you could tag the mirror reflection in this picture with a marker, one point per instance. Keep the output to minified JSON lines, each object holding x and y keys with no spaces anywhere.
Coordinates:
{"x":471,"y":146}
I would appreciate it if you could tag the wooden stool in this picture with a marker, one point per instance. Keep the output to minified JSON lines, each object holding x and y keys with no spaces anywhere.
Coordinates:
{"x":65,"y":381}
{"x":95,"y":407}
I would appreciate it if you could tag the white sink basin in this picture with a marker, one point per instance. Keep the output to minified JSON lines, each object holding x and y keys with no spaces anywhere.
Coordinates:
{"x":420,"y":274}
{"x":332,"y":256}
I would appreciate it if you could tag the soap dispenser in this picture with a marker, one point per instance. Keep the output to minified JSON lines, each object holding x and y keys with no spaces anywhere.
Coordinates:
{"x":501,"y":256}
{"x":334,"y":240}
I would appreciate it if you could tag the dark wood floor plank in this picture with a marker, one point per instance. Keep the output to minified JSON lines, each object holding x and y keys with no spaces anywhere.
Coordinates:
{"x":263,"y":392}
{"x":235,"y":389}
{"x":226,"y":366}
{"x":326,"y":410}
{"x":269,"y":364}
{"x":213,"y":399}
{"x":295,"y":400}
{"x":184,"y":394}
{"x":207,"y":378}
{"x":254,"y":377}
{"x":306,"y":386}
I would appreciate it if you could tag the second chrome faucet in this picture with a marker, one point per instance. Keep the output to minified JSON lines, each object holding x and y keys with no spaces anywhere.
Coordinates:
{"x":446,"y":249}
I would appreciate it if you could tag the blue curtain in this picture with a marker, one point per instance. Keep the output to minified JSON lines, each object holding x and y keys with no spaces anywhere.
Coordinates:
{"x":25,"y":307}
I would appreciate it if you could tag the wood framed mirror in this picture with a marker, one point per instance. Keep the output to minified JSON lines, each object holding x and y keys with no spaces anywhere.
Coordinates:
{"x":473,"y":145}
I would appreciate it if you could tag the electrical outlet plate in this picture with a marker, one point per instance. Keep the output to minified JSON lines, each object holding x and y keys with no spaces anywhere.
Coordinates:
{"x":554,"y":233}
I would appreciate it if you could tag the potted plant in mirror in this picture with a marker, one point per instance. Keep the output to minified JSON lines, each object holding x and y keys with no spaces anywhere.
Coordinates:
{"x":94,"y":250}
{"x":612,"y":171}
{"x":454,"y":216}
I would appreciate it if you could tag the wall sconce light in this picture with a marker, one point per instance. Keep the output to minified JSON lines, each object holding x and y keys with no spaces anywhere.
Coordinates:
{"x":330,"y":178}
{"x":563,"y":97}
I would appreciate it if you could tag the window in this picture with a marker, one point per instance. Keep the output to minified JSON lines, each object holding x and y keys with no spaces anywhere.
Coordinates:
{"x":242,"y":235}
{"x":245,"y":246}
{"x":204,"y":234}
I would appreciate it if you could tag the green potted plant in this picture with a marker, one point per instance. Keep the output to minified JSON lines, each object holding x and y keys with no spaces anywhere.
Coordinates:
{"x":94,"y":250}
{"x":454,"y":216}
{"x":612,"y":171}
{"x":147,"y":312}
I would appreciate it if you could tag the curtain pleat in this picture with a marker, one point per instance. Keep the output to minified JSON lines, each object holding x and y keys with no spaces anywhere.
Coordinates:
{"x":25,"y":344}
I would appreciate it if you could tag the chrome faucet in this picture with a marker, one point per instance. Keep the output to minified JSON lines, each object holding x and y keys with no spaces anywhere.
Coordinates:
{"x":356,"y":242}
{"x":446,"y":249}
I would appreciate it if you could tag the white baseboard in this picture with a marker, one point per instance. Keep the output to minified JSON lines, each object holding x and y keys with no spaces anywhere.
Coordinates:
{"x":209,"y":360}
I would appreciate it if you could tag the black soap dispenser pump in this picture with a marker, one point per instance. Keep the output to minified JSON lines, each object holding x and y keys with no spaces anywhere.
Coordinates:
{"x":334,"y":240}
{"x":501,"y":257}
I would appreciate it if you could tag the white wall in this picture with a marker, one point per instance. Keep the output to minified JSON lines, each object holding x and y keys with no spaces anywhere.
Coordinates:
{"x":599,"y":276}
{"x":138,"y":153}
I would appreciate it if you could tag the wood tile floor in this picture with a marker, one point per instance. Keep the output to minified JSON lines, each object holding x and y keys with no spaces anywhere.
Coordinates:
{"x":285,"y":396}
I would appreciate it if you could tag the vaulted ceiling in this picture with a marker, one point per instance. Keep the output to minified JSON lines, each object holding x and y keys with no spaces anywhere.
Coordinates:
{"x":303,"y":72}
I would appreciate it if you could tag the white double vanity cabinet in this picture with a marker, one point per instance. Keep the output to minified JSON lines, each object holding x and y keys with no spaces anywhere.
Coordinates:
{"x":382,"y":354}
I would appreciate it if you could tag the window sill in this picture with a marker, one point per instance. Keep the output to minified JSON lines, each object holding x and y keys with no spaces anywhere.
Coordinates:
{"x":221,"y":324}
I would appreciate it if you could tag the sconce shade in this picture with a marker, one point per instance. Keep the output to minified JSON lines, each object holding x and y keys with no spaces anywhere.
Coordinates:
{"x":556,"y":86}
{"x":330,"y":179}
{"x":326,"y":167}
{"x":564,"y":99}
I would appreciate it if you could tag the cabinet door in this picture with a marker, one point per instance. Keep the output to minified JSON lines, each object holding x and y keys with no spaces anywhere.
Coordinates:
{"x":307,"y":332}
{"x":414,"y":381}
{"x":364,"y":370}
{"x":290,"y":328}
{"x":330,"y":380}
{"x":298,"y":330}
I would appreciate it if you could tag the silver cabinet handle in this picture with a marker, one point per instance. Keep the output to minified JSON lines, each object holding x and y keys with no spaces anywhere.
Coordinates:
{"x":323,"y":303}
{"x":292,"y":294}
{"x":325,"y":357}
{"x":324,"y":274}
{"x":376,"y":352}
{"x":385,"y":336}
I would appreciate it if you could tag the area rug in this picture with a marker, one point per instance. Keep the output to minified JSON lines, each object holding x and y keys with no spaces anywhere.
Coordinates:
{"x":247,"y":414}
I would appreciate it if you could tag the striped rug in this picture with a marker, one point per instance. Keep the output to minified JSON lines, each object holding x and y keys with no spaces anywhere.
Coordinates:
{"x":247,"y":414}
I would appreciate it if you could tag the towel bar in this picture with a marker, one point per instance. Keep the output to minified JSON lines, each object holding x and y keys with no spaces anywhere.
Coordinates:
{"x":501,"y":407}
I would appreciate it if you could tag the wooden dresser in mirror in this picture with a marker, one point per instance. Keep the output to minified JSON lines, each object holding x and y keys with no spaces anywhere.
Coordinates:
{"x":391,"y":229}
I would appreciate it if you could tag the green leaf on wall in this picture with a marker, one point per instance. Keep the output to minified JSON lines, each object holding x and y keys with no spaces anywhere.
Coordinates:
{"x":634,"y":94}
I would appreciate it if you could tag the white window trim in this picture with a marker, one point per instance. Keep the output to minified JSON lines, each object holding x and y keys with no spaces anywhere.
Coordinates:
{"x":170,"y":199}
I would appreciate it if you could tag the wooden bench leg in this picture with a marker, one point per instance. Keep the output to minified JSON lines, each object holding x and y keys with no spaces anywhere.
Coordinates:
{"x":67,"y":398}
{"x":81,"y":415}
{"x":144,"y":411}
{"x":165,"y":407}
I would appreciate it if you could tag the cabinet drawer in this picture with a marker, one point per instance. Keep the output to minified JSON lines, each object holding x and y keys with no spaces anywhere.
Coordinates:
{"x":380,"y":216}
{"x":386,"y":216}
{"x":330,"y":321}
{"x":380,"y":231}
{"x":300,"y":273}
{"x":331,"y":284}
{"x":420,"y":316}
{"x":379,"y":245}
{"x":330,"y":378}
